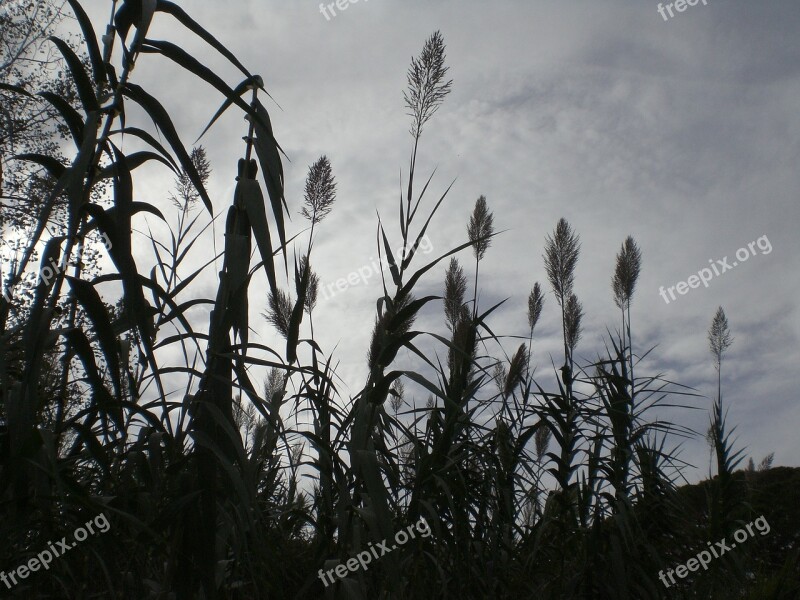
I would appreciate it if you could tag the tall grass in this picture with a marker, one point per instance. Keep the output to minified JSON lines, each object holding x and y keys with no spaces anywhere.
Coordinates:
{"x":221,"y":485}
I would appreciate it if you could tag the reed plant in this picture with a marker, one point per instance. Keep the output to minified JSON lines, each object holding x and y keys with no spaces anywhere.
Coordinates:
{"x":239,"y":469}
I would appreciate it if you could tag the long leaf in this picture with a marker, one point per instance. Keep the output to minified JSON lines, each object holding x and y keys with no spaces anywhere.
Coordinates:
{"x":82,"y":81}
{"x":252,"y":199}
{"x":421,"y":234}
{"x":164,"y":123}
{"x":50,"y":164}
{"x":268,"y":151}
{"x":136,"y":160}
{"x":16,"y":89}
{"x":191,"y":64}
{"x":90,"y":300}
{"x":71,"y":116}
{"x":390,"y":257}
{"x":145,"y":136}
{"x":240,"y":89}
{"x":90,"y":38}
{"x":83,"y":349}
{"x":177,"y":12}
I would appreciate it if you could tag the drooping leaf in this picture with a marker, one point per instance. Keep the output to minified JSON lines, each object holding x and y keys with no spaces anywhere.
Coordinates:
{"x":51,"y":165}
{"x":164,"y":123}
{"x":71,"y":116}
{"x":177,"y":12}
{"x":123,"y":21}
{"x":146,"y":137}
{"x":79,"y":76}
{"x":148,"y":311}
{"x":249,"y":194}
{"x":134,"y":13}
{"x":137,"y":207}
{"x":90,"y":38}
{"x":90,"y":300}
{"x":148,"y":10}
{"x":191,"y":64}
{"x":136,"y":160}
{"x":83,"y":349}
{"x":240,"y":89}
{"x":15,"y":88}
{"x":64,"y":182}
{"x":268,"y":151}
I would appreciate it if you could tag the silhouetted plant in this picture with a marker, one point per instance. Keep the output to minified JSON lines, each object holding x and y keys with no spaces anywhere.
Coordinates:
{"x":219,"y":487}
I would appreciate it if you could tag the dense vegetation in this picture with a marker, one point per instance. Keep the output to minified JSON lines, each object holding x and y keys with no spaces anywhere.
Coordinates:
{"x":240,"y":471}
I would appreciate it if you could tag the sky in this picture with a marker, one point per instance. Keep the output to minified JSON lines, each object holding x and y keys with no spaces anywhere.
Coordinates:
{"x":682,"y":133}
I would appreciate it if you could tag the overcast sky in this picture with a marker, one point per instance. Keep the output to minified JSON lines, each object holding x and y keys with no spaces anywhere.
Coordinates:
{"x":683,"y":133}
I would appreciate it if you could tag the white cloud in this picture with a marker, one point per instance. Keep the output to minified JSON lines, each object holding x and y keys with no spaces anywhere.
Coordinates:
{"x":682,"y":134}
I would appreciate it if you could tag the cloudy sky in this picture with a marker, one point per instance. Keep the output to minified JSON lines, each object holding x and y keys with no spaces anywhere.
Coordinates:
{"x":683,"y":133}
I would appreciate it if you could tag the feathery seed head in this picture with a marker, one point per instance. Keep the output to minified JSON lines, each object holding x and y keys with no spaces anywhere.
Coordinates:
{"x":480,"y":228}
{"x":397,"y":393}
{"x":320,"y":193}
{"x":313,"y":286}
{"x":719,"y":336}
{"x":542,"y":440}
{"x":560,"y":258}
{"x":535,"y":304}
{"x":455,"y":288}
{"x":279,"y":312}
{"x":573,"y":315}
{"x":186,"y":195}
{"x":629,"y":264}
{"x":427,"y":87}
{"x":516,"y":370}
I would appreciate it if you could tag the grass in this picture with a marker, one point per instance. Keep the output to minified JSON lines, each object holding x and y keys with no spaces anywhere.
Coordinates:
{"x":242,"y":471}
